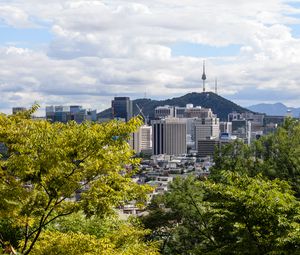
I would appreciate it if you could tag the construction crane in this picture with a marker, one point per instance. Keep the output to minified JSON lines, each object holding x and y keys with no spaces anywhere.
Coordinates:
{"x":141,"y":113}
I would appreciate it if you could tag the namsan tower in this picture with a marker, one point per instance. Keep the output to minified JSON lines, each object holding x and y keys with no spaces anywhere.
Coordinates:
{"x":203,"y":76}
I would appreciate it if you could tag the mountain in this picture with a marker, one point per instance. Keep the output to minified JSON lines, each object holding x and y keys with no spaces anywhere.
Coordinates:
{"x":277,"y":109}
{"x":219,"y":105}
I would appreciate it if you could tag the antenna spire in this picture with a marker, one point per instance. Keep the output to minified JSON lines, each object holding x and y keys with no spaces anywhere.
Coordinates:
{"x":203,"y":76}
{"x":216,"y":86}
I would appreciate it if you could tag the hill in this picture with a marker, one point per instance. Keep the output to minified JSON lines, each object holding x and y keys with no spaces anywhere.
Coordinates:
{"x":278,"y":109}
{"x":219,"y":105}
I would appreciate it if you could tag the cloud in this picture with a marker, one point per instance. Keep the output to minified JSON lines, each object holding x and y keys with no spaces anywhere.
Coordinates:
{"x":105,"y":48}
{"x":14,"y":17}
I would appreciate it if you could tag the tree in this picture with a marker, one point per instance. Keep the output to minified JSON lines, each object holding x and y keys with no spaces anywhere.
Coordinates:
{"x":237,"y":157}
{"x":253,"y":215}
{"x":47,"y":164}
{"x":276,"y":155}
{"x":280,"y":154}
{"x":237,"y":215}
{"x":76,"y":234}
{"x":178,"y":218}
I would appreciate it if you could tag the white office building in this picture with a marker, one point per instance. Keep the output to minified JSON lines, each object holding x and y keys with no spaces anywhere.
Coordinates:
{"x":142,"y":139}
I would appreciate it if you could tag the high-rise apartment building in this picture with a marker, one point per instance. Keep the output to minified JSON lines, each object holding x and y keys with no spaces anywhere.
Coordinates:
{"x":169,"y":136}
{"x":122,"y":108}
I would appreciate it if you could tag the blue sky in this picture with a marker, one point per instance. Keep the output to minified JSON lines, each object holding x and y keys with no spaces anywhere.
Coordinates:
{"x":202,"y":50}
{"x":82,"y":52}
{"x":28,"y":38}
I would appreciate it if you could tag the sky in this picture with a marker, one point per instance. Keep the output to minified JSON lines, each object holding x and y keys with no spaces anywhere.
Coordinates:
{"x":63,"y":52}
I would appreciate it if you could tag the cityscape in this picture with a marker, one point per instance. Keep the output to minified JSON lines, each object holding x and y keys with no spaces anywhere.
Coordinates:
{"x":177,"y":140}
{"x":149,"y":127}
{"x":174,"y":130}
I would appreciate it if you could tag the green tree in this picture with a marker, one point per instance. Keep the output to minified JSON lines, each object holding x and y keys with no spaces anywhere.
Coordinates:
{"x":237,"y":157}
{"x":47,"y":164}
{"x":280,"y":154}
{"x":276,"y":155}
{"x":253,"y":215}
{"x":238,"y":215}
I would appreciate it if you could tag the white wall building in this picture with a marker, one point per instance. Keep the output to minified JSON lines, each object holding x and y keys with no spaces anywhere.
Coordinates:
{"x":142,"y":139}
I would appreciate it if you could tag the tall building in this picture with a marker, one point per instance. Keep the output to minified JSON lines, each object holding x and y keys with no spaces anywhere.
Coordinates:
{"x":142,"y":139}
{"x":240,"y":128}
{"x":179,"y":112}
{"x":226,"y":127}
{"x":207,"y":147}
{"x":122,"y":108}
{"x":234,"y":116}
{"x":198,"y":112}
{"x":169,"y":136}
{"x":189,"y":111}
{"x":206,"y":128}
{"x":58,"y":113}
{"x":248,"y":125}
{"x":162,"y":112}
{"x":67,"y":113}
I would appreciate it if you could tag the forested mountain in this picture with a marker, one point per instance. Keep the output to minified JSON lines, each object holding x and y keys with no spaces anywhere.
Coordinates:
{"x":218,"y":104}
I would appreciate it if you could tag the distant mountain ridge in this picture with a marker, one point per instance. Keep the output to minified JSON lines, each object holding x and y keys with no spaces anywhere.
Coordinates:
{"x":219,"y":105}
{"x":277,"y":109}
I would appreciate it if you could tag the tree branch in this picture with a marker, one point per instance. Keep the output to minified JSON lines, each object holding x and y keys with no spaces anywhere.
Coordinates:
{"x":202,"y":219}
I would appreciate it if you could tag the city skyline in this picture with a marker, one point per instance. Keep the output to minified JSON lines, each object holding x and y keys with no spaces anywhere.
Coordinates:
{"x":54,"y":54}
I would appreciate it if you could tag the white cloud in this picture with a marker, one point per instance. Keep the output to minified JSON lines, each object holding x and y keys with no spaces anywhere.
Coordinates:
{"x":14,"y":17}
{"x":106,"y":48}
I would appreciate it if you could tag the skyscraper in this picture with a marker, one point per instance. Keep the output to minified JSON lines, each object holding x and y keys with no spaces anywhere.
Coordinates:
{"x":206,"y":128}
{"x":122,"y":108}
{"x":169,"y":136}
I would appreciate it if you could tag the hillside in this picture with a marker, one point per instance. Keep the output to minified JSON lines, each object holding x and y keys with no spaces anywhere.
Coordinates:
{"x":218,"y":104}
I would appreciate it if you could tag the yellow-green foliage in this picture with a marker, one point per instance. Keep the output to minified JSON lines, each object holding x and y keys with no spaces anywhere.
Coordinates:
{"x":76,"y":234}
{"x":46,"y":164}
{"x":126,"y":240}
